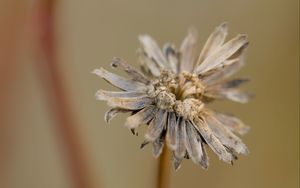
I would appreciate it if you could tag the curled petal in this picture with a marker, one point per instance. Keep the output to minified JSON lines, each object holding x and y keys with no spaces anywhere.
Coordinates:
{"x":145,"y":143}
{"x":135,"y":74}
{"x":109,"y":115}
{"x":143,"y":116}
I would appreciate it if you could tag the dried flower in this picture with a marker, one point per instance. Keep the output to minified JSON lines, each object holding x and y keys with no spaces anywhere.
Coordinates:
{"x":172,"y":92}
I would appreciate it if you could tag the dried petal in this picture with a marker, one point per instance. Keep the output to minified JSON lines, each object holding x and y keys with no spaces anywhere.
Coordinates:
{"x":133,"y":103}
{"x":113,"y":112}
{"x":204,"y":162}
{"x":187,"y":50}
{"x":145,"y":142}
{"x":171,"y":133}
{"x":232,"y":123}
{"x":214,"y":42}
{"x":107,"y":95}
{"x":192,"y":144}
{"x":172,"y":56}
{"x":176,"y":162}
{"x":143,"y":116}
{"x":147,"y":65}
{"x":225,"y":135}
{"x":180,"y":139}
{"x":120,"y":82}
{"x":218,"y":58}
{"x":234,"y":83}
{"x":156,"y":126}
{"x":225,"y":85}
{"x":135,"y":74}
{"x":235,"y":95}
{"x":225,"y":72}
{"x":213,"y":142}
{"x":158,"y":145}
{"x":229,"y":94}
{"x":153,"y":51}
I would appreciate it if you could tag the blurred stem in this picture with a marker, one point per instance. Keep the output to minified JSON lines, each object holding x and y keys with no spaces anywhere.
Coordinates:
{"x":56,"y":91}
{"x":164,"y":167}
{"x":13,"y":14}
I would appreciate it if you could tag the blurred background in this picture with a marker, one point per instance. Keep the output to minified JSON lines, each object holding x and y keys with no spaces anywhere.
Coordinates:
{"x":52,"y":132}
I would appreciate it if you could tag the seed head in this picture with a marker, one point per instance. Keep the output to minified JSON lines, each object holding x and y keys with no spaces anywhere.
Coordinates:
{"x":172,"y":93}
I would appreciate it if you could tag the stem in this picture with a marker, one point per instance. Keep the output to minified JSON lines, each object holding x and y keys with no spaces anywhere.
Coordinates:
{"x":58,"y":98}
{"x":163,"y":175}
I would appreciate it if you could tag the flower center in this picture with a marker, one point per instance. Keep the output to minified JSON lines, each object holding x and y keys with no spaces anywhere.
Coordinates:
{"x":179,"y":93}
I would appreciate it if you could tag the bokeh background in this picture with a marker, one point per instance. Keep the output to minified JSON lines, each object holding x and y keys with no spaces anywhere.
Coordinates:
{"x":52,"y":132}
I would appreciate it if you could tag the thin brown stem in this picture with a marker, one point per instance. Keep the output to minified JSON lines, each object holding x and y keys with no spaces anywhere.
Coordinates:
{"x":56,"y":91}
{"x":164,"y":167}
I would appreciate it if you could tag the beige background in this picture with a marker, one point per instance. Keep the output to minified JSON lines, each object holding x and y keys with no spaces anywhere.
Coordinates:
{"x":91,"y":32}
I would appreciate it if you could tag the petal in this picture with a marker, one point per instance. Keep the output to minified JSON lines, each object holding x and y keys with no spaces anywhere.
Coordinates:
{"x":110,"y":114}
{"x":219,"y":57}
{"x":204,"y":162}
{"x":134,"y":103}
{"x":234,"y":83}
{"x":156,"y":126}
{"x":153,"y":51}
{"x":135,"y":74}
{"x":107,"y":95}
{"x":227,"y":84}
{"x":143,"y":116}
{"x":192,"y":144}
{"x":214,"y":42}
{"x":236,"y":95}
{"x":158,"y":145}
{"x":187,"y":51}
{"x":172,"y":56}
{"x":145,"y":142}
{"x":225,"y":135}
{"x":232,"y":123}
{"x":180,"y":139}
{"x":176,"y":162}
{"x":224,"y":72}
{"x":171,"y":133}
{"x":229,"y":94}
{"x":120,"y":82}
{"x":148,"y":65}
{"x":195,"y":146}
{"x":213,"y":142}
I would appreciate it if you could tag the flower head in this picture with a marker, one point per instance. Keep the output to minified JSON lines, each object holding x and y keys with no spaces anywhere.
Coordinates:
{"x":172,"y":92}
